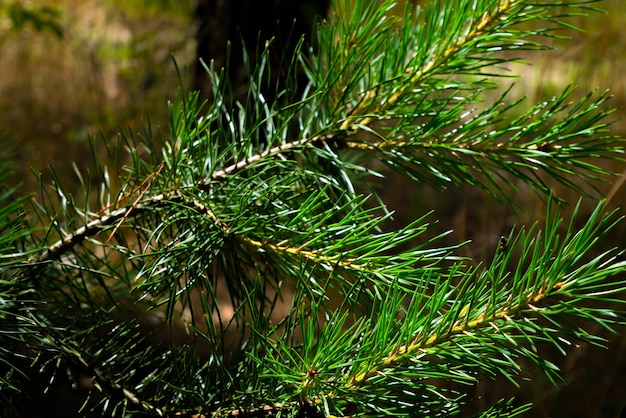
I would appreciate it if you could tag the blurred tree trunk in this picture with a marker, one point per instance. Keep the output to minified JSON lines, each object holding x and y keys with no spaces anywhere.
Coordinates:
{"x":248,"y":23}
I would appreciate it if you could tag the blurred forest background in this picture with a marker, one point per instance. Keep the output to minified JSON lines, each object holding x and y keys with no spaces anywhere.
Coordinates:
{"x":71,"y":70}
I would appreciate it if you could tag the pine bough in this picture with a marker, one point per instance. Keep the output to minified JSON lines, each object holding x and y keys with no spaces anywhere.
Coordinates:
{"x":241,"y":266}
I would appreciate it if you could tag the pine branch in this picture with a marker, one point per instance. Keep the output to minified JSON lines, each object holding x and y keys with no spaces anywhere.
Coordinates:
{"x":459,"y":320}
{"x":426,"y":127}
{"x":248,"y":227}
{"x":153,"y":203}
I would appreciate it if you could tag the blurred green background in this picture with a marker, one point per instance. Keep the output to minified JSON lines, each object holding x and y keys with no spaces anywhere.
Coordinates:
{"x":75,"y":69}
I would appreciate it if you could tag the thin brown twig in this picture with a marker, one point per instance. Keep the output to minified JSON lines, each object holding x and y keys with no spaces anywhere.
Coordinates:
{"x":616,"y":186}
{"x":136,"y":202}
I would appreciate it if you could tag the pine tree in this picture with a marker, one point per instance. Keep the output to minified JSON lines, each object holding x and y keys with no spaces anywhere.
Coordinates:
{"x":242,"y":265}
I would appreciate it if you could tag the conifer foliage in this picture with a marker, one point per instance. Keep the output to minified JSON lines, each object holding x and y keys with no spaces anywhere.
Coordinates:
{"x":241,"y":265}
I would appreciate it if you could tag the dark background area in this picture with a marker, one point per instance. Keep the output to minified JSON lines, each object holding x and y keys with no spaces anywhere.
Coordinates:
{"x":112,"y":66}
